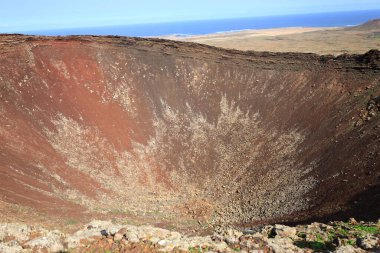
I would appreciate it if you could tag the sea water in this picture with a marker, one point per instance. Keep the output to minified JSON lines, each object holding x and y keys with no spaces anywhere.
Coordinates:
{"x":215,"y":26}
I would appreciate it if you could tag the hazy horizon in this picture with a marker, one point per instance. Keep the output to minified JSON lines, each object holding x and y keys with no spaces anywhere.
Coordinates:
{"x":22,"y":15}
{"x":188,"y":28}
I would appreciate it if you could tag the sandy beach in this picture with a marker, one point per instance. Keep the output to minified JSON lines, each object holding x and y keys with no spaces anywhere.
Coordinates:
{"x":319,"y":40}
{"x":250,"y":33}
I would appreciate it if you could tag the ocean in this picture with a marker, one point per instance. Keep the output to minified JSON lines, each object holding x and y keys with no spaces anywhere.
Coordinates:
{"x":216,"y":26}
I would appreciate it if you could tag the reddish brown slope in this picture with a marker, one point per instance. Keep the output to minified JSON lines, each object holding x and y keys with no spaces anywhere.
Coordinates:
{"x":152,"y":126}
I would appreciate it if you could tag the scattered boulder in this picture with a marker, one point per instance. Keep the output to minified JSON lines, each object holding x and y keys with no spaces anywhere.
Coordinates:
{"x":231,"y":236}
{"x":368,"y":242}
{"x":348,"y":249}
{"x":17,"y":231}
{"x":283,"y":245}
{"x":10,"y":247}
{"x":252,"y":242}
{"x":285,"y":231}
{"x":53,"y":241}
{"x":118,"y":236}
{"x":352,"y":221}
{"x":337,"y":237}
{"x":162,"y":242}
{"x":133,"y":236}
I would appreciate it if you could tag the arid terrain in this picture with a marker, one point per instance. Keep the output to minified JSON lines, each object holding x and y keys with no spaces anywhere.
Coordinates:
{"x":106,"y":237}
{"x":184,"y":136}
{"x":335,"y":41}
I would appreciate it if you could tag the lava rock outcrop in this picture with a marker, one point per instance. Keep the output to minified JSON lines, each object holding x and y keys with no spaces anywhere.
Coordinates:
{"x":181,"y":129}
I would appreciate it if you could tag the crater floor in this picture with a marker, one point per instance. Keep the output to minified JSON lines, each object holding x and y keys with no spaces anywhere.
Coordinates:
{"x":185,"y":134}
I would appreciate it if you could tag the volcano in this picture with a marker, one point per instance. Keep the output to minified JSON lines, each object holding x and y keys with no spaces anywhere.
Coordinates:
{"x":181,"y":130}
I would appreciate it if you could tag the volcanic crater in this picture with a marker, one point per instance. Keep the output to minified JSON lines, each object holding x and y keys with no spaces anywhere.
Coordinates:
{"x":182,"y":131}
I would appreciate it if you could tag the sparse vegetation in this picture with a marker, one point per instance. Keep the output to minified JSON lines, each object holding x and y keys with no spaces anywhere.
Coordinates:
{"x":71,"y":222}
{"x":352,"y":242}
{"x":374,"y":230}
{"x":195,"y":250}
{"x":314,"y":245}
{"x":301,"y":234}
{"x":330,"y":238}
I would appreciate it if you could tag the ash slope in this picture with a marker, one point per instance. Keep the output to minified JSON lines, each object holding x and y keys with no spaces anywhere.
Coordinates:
{"x":185,"y":130}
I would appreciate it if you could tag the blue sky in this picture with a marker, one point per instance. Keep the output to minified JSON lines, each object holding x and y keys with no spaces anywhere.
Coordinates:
{"x":26,"y":15}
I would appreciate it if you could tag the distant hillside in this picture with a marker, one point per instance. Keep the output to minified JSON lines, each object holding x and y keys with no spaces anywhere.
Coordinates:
{"x":354,"y":40}
{"x":369,"y":25}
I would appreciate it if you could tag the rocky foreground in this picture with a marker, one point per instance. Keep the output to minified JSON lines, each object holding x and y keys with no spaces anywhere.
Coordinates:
{"x":106,"y":236}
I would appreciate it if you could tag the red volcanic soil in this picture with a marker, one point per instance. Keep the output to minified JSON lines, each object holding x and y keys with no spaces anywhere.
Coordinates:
{"x":173,"y":130}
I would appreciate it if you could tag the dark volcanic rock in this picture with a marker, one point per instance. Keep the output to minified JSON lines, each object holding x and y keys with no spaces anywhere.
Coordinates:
{"x":148,"y":125}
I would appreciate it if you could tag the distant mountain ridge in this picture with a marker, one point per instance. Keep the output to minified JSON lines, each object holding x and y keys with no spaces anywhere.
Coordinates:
{"x":374,"y":23}
{"x":369,"y":25}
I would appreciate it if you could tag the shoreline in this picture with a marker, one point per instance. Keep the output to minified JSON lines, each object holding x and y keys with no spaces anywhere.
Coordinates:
{"x":249,"y":33}
{"x":319,"y":40}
